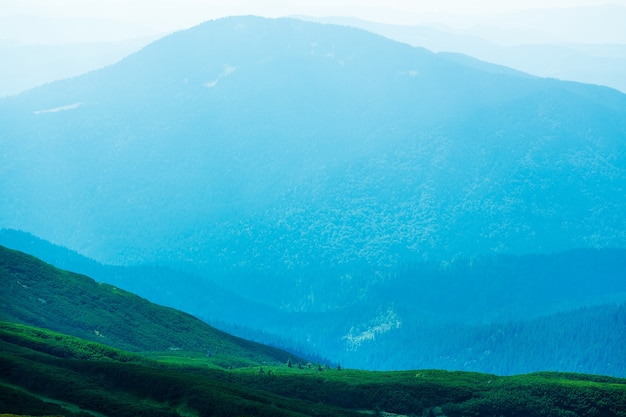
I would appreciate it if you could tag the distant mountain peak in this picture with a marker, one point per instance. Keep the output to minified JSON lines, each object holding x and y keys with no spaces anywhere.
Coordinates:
{"x":275,"y":154}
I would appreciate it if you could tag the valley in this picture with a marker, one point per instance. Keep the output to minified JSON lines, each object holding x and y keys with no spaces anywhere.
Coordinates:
{"x":47,"y":372}
{"x":501,"y":314}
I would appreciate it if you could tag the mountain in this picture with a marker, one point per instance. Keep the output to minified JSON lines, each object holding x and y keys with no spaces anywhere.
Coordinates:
{"x":51,"y":373}
{"x":304,"y":166}
{"x":39,"y":294}
{"x":248,"y":147}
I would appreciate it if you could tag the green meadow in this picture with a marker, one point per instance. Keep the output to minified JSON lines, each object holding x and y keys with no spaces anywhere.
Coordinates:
{"x":49,"y":373}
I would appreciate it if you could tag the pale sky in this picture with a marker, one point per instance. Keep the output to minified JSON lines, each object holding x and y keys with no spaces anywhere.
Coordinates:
{"x":176,"y":14}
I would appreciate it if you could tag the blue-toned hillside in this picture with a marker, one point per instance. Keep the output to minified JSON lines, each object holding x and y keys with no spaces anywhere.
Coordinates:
{"x":281,"y":142}
{"x":500,"y":314}
{"x":307,"y":166}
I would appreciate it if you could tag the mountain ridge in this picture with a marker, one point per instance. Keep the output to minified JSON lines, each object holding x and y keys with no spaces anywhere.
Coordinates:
{"x":600,"y":62}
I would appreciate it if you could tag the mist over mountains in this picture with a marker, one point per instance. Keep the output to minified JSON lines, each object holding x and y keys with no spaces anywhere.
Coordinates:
{"x":36,"y":50}
{"x":29,"y":65}
{"x":304,"y":166}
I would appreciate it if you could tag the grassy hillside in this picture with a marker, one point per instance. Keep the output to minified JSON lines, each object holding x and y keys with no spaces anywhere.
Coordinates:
{"x":44,"y":372}
{"x":158,"y":284}
{"x":36,"y":293}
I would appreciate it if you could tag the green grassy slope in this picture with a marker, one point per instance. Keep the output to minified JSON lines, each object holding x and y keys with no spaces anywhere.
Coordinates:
{"x":33,"y":292}
{"x":91,"y":378}
{"x":44,"y":372}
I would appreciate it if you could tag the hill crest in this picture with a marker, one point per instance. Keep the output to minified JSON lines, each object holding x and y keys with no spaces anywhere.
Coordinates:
{"x":44,"y":296}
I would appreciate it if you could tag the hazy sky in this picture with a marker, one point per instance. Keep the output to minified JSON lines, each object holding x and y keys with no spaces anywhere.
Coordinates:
{"x":176,"y":14}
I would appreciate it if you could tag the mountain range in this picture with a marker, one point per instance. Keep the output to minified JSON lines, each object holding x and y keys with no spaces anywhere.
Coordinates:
{"x":330,"y":142}
{"x":498,"y":314}
{"x":310,"y":168}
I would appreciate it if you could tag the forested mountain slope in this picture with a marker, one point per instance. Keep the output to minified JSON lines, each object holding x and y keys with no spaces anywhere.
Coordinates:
{"x":499,"y":314}
{"x":306,"y":168}
{"x":247,"y":145}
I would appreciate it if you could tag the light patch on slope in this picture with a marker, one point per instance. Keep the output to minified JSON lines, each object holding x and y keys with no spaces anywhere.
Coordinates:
{"x":227,"y":70}
{"x":383,"y":323}
{"x":326,"y":52}
{"x":60,"y":108}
